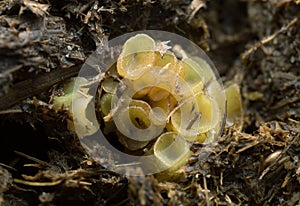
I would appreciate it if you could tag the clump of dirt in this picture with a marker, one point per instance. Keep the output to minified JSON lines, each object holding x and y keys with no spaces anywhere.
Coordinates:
{"x":253,"y":43}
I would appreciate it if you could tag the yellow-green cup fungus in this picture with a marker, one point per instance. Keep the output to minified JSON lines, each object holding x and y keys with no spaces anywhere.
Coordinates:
{"x":235,"y":113}
{"x":136,"y":56}
{"x":77,"y":100}
{"x":180,"y":108}
{"x":156,"y":100}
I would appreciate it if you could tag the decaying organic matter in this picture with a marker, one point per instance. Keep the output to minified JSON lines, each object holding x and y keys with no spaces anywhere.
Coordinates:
{"x":254,"y":44}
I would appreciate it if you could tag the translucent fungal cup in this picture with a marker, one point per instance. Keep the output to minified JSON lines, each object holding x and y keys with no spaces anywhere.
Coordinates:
{"x":150,"y":96}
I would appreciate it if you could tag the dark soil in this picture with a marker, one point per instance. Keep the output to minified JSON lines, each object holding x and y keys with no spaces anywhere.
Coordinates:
{"x":253,"y":43}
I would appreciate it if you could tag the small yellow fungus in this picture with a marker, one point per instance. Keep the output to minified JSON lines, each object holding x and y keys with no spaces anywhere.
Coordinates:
{"x":154,"y":102}
{"x":77,"y":100}
{"x":171,"y":149}
{"x":235,"y":113}
{"x":137,"y":56}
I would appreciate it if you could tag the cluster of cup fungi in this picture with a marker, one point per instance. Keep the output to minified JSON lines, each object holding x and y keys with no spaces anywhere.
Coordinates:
{"x":157,"y":100}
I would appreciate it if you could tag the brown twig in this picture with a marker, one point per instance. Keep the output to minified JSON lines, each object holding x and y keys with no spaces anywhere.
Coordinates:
{"x":266,"y":40}
{"x":31,"y":87}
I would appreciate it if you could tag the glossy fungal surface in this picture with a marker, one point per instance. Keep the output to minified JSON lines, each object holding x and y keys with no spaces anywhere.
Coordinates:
{"x":154,"y":100}
{"x":165,"y":103}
